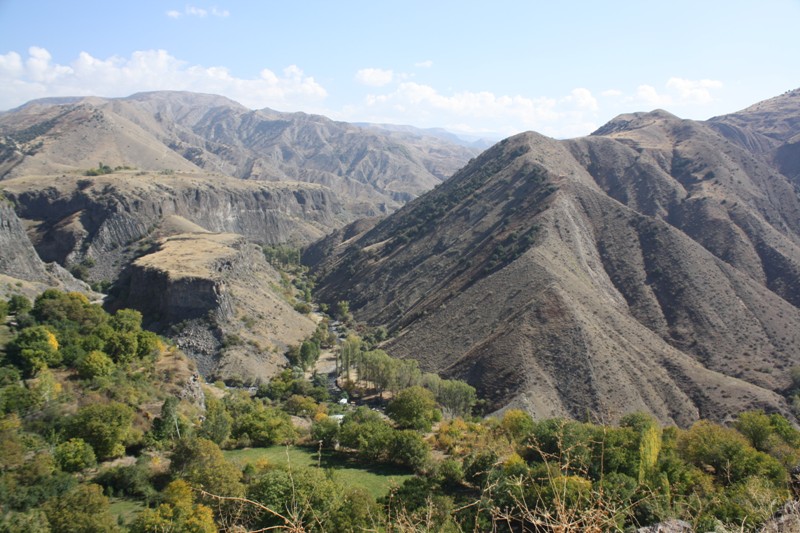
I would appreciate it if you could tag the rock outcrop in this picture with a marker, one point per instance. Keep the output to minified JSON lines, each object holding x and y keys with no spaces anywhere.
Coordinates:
{"x":19,"y":259}
{"x":218,"y":298}
{"x":21,"y":269}
{"x":105,"y":221}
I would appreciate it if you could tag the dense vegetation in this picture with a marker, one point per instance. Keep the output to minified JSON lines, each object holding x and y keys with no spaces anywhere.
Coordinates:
{"x":96,"y":411}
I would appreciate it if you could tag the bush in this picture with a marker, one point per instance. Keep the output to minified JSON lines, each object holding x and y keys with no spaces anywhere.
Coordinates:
{"x":74,"y":455}
{"x":96,"y":364}
{"x":414,"y":408}
{"x":408,"y":448}
{"x":34,"y":349}
{"x":18,"y":304}
{"x":104,"y":426}
{"x":133,"y":481}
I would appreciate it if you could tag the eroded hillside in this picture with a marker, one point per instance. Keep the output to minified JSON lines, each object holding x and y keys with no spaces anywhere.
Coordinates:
{"x":652,"y":265}
{"x":370,"y":171}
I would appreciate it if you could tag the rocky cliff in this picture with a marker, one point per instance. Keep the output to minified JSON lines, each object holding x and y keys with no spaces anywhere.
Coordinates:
{"x":103,"y":222}
{"x":218,"y":298}
{"x":21,"y":269}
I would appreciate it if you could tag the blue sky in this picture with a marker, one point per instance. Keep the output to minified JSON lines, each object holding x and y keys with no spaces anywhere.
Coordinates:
{"x":496,"y":68}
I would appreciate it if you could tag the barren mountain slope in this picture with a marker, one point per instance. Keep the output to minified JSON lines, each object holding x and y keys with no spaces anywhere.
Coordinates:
{"x":771,"y":127}
{"x":733,"y":202}
{"x":650,"y":266}
{"x":371,"y":171}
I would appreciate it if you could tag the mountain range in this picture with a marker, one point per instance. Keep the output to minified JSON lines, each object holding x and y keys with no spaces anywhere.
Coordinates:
{"x":115,"y":189}
{"x":652,"y":265}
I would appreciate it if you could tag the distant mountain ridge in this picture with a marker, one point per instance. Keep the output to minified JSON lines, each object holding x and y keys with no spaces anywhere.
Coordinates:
{"x":371,"y":171}
{"x":470,"y":141}
{"x":654,"y":265}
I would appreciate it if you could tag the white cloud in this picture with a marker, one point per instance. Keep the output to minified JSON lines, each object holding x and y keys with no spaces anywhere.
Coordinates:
{"x":694,"y":91}
{"x":501,"y":114}
{"x":200,"y":12}
{"x":648,"y":95}
{"x":11,"y":65}
{"x":677,"y":92}
{"x":37,"y":76}
{"x":374,"y":77}
{"x":582,"y":98}
{"x":196,"y":11}
{"x":424,"y":64}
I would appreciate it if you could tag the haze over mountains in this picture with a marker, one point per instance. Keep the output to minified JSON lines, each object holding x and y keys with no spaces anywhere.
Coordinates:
{"x":653,"y":265}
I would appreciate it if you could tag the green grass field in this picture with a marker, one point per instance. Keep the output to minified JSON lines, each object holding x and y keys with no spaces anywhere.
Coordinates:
{"x":376,"y":480}
{"x":127,"y":509}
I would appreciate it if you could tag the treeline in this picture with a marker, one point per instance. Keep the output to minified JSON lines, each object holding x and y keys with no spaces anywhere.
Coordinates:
{"x":80,"y":387}
{"x":363,"y":370}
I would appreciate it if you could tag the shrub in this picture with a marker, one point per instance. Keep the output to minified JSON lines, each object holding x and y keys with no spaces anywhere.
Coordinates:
{"x":96,"y":364}
{"x":74,"y":455}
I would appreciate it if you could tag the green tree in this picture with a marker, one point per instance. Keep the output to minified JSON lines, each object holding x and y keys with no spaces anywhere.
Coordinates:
{"x":148,"y":344}
{"x":200,"y":462}
{"x":71,"y":309}
{"x":169,"y":424}
{"x":326,"y":431}
{"x":367,"y":432}
{"x":96,"y":364}
{"x":304,"y":496}
{"x":18,"y":304}
{"x":11,"y":443}
{"x":216,"y":426}
{"x":756,"y":426}
{"x":413,"y":408}
{"x":74,"y":455}
{"x":728,"y":453}
{"x":34,"y":349}
{"x":265,"y":426}
{"x":178,"y":513}
{"x":357,"y":511}
{"x":33,"y":520}
{"x":126,"y":321}
{"x":84,"y":509}
{"x":104,"y":426}
{"x":408,"y":448}
{"x":649,"y":448}
{"x":517,"y":424}
{"x":309,"y":353}
{"x":349,"y":351}
{"x":343,"y":311}
{"x":456,"y":398}
{"x":123,"y":346}
{"x":300,"y":405}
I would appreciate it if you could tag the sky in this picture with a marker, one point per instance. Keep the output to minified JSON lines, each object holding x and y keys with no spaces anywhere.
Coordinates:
{"x":477,"y":68}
